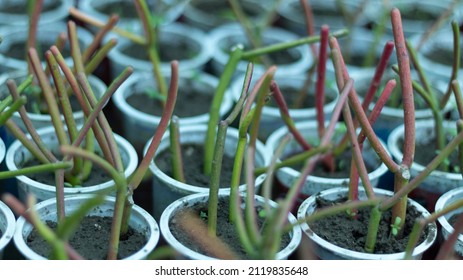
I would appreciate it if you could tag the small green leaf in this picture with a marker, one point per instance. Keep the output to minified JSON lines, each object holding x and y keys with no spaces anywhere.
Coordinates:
{"x":152,"y":93}
{"x":262,"y":213}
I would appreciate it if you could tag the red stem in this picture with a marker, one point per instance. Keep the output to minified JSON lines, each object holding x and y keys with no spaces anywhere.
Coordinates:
{"x":380,"y":68}
{"x":407,"y":88}
{"x":321,"y":73}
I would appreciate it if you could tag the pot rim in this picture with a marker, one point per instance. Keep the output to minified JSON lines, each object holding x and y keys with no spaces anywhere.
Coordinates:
{"x":10,"y":225}
{"x":198,"y":197}
{"x":237,"y":85}
{"x":442,"y":202}
{"x":176,"y":29}
{"x":51,"y":16}
{"x":201,"y":128}
{"x":349,"y":254}
{"x":23,"y":227}
{"x":122,"y":143}
{"x":93,"y":80}
{"x":220,"y":56}
{"x":275,"y":137}
{"x":124,"y":91}
{"x":398,"y":133}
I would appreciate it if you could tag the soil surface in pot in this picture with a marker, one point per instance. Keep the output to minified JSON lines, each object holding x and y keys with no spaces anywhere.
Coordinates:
{"x":349,"y":233}
{"x":97,"y":175}
{"x":428,"y":146}
{"x":295,"y":100}
{"x":226,"y":231}
{"x":17,"y":50}
{"x":192,"y":103}
{"x":178,"y":49}
{"x":91,"y":239}
{"x":342,"y":165}
{"x":193,"y":155}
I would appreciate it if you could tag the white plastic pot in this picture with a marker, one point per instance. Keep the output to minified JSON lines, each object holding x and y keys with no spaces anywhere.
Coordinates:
{"x":17,"y":154}
{"x":46,"y":36}
{"x":207,"y":14}
{"x":436,"y":183}
{"x":128,"y":17}
{"x":138,"y":126}
{"x":195,"y":44}
{"x":328,"y":251}
{"x":287,"y":176}
{"x":52,"y":11}
{"x":445,"y":200}
{"x":166,"y":189}
{"x":44,"y":120}
{"x":192,"y":199}
{"x":140,"y":220}
{"x":7,"y":227}
{"x":226,"y":36}
{"x":271,"y":118}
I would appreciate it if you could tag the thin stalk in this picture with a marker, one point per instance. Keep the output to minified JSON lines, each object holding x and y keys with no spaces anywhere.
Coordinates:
{"x":98,"y":38}
{"x":26,"y":142}
{"x":137,"y":177}
{"x":49,"y":97}
{"x":99,"y":56}
{"x":45,"y":153}
{"x":151,"y":44}
{"x":35,"y":8}
{"x":460,"y":147}
{"x":175,"y":150}
{"x":59,"y":195}
{"x":456,"y":62}
{"x":357,"y":153}
{"x":399,"y":209}
{"x":250,"y":213}
{"x":92,"y":21}
{"x":341,"y":75}
{"x":225,"y":78}
{"x":321,"y":73}
{"x":5,"y":115}
{"x":47,"y":167}
{"x":309,"y":23}
{"x":458,"y":97}
{"x":215,"y":178}
{"x":373,"y":226}
{"x":239,"y":155}
{"x":284,"y":113}
{"x":121,"y":193}
{"x":287,"y":45}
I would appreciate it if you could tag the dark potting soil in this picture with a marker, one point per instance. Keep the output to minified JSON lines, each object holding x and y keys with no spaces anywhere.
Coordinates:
{"x":179,"y":49}
{"x":91,"y":239}
{"x":295,"y":100}
{"x":192,"y":103}
{"x":453,"y":219}
{"x":226,"y":231}
{"x":342,"y":165}
{"x":97,"y":175}
{"x":17,"y":50}
{"x":193,"y":155}
{"x":349,"y":233}
{"x":430,"y":146}
{"x":124,"y":9}
{"x":18,"y":7}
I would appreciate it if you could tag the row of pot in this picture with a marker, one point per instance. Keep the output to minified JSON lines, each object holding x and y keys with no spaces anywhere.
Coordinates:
{"x":184,"y":189}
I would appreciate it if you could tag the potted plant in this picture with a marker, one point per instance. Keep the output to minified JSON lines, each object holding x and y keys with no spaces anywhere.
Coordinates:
{"x":72,"y":151}
{"x":14,"y":13}
{"x":402,"y":184}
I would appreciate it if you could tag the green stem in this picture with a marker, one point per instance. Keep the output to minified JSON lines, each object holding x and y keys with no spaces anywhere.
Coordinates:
{"x":215,"y":178}
{"x":214,"y":111}
{"x":456,"y":62}
{"x":373,"y":226}
{"x":287,"y":45}
{"x":175,"y":150}
{"x":47,"y":167}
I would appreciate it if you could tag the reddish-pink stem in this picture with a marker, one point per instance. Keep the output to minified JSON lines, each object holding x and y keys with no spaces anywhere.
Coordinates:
{"x":320,"y":86}
{"x":380,"y":68}
{"x":407,"y":88}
